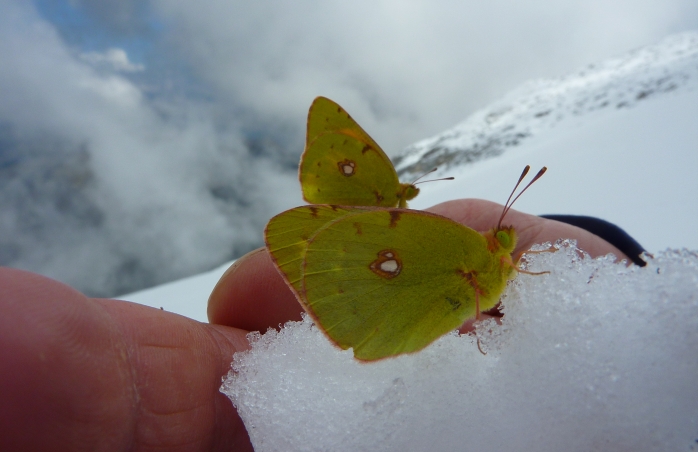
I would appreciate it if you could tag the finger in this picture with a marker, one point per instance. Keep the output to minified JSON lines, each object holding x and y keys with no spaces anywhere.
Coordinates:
{"x":88,"y":374}
{"x":483,"y":215}
{"x":252,"y":295}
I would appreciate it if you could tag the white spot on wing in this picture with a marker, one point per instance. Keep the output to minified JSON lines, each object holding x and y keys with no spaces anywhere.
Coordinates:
{"x":390,"y":266}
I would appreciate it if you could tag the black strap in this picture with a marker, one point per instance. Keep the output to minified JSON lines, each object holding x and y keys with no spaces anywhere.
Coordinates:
{"x":607,"y":231}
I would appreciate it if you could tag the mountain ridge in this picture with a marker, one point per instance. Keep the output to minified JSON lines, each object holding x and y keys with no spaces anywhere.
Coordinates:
{"x":670,"y":65}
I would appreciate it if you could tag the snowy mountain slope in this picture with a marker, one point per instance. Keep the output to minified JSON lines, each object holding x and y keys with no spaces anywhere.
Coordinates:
{"x":619,"y":83}
{"x":633,"y":165}
{"x":187,"y":296}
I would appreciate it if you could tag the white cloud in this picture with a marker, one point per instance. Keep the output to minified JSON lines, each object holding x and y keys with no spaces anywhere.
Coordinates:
{"x":405,"y":70}
{"x":163,"y":177}
{"x":114,"y":58}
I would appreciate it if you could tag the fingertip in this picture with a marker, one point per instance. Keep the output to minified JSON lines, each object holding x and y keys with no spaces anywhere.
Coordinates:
{"x":252,"y":295}
{"x":235,"y":285}
{"x":477,"y":214}
{"x":483,"y":215}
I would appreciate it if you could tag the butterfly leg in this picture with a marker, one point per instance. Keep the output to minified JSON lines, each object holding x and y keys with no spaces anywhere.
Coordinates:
{"x":552,"y":249}
{"x":479,"y":347}
{"x":470,"y":276}
{"x":506,"y":260}
{"x":477,"y":316}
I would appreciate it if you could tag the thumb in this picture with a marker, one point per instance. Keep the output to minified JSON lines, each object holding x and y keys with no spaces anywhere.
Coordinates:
{"x":111,"y":375}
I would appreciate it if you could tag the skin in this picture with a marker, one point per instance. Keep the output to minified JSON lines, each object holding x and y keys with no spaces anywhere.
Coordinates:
{"x":81,"y":373}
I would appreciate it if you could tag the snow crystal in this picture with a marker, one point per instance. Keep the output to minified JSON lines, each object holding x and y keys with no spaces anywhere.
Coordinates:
{"x":593,"y":356}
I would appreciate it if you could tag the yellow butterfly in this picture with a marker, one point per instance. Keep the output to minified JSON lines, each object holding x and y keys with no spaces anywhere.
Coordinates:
{"x":342,"y":164}
{"x":387,"y":281}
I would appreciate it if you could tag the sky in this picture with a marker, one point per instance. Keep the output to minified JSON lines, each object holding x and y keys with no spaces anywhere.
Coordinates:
{"x":407,"y":69}
{"x":267,"y":60}
{"x":142,"y":141}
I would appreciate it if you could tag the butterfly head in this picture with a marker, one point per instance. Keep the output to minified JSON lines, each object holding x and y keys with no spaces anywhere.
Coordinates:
{"x":407,"y":192}
{"x":501,"y":240}
{"x":410,"y":191}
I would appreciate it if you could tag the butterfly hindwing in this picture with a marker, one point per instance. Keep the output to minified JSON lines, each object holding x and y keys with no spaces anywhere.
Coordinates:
{"x":392,"y":281}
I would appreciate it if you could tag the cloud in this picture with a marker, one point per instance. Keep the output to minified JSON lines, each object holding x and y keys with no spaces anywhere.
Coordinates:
{"x":108,"y":190}
{"x":114,"y":59}
{"x":119,"y":17}
{"x":405,"y":70}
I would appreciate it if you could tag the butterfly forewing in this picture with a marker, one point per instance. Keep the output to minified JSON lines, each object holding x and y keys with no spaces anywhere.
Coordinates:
{"x":343,"y":165}
{"x":287,"y":235}
{"x":337,"y":168}
{"x":326,"y":115}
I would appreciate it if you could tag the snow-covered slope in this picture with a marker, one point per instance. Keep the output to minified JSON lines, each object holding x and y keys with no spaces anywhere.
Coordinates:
{"x":187,"y":296}
{"x":620,"y":141}
{"x":635,"y":167}
{"x":538,"y":106}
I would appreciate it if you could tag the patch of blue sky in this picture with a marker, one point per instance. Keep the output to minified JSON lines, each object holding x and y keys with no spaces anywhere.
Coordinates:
{"x":87,"y":32}
{"x":88,"y":27}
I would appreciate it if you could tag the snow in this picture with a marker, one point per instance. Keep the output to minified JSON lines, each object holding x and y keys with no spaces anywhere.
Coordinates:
{"x":593,"y":356}
{"x":633,"y":167}
{"x":187,"y":296}
{"x":539,"y":105}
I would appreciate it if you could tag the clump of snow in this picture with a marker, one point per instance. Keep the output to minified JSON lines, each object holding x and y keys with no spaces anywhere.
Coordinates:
{"x":618,"y":83}
{"x":593,"y":356}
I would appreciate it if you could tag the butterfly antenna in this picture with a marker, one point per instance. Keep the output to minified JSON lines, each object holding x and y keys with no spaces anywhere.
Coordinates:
{"x":414,"y":182}
{"x":508,"y":205}
{"x":428,"y":172}
{"x":433,"y":180}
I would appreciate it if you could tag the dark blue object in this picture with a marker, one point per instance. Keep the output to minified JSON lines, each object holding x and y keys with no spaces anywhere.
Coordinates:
{"x":607,"y":231}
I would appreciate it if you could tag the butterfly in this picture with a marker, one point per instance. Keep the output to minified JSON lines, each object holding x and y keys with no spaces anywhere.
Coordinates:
{"x":388,"y":281}
{"x":342,"y":164}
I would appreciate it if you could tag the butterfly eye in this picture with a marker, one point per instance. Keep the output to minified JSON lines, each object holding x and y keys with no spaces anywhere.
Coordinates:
{"x":503,"y":238}
{"x":408,"y":192}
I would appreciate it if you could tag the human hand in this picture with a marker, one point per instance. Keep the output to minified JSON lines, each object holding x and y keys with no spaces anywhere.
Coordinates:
{"x":84,"y":374}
